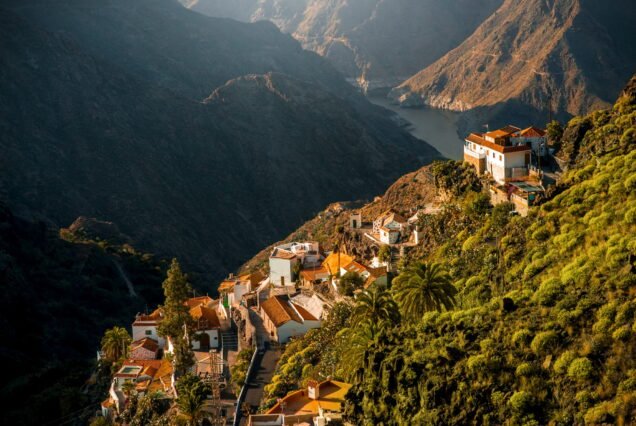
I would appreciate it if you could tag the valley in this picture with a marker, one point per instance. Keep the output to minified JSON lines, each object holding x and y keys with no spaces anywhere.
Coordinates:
{"x":439,"y":128}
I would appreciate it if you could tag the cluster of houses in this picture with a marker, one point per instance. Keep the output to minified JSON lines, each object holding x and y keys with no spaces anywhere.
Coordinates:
{"x":505,"y":157}
{"x":147,"y":369}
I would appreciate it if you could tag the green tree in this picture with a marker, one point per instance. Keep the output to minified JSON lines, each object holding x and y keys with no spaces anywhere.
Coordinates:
{"x":191,"y":395}
{"x":350,"y":282}
{"x":456,"y":177}
{"x":384,"y":255}
{"x":183,"y":355}
{"x":555,"y":132}
{"x":176,"y":290}
{"x":422,"y":288}
{"x":115,"y":343}
{"x":375,"y":304}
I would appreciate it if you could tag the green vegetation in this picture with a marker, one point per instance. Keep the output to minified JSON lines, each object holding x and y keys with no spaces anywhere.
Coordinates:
{"x":423,"y":288}
{"x":192,"y":393}
{"x":176,"y":319}
{"x":541,"y":328}
{"x":350,"y":282}
{"x":116,"y":343}
{"x":238,"y":371}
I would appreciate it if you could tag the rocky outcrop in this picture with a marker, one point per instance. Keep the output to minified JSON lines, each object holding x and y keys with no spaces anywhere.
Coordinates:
{"x":572,"y":56}
{"x":373,"y":42}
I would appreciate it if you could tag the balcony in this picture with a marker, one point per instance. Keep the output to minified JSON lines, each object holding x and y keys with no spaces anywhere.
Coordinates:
{"x":474,"y":154}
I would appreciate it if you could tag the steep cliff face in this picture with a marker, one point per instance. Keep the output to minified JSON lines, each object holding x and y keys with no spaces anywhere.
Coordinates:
{"x":574,"y":55}
{"x":378,"y":42}
{"x":104,"y":118}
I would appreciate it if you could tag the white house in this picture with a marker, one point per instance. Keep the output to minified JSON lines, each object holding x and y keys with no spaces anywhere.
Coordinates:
{"x":284,"y":319}
{"x":234,"y":288}
{"x":500,"y":153}
{"x":145,"y":326}
{"x":532,"y":136}
{"x":355,"y":220}
{"x":207,"y":326}
{"x":389,"y":226}
{"x":285,"y":257}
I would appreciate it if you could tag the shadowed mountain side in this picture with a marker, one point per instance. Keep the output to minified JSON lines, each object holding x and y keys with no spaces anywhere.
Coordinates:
{"x":209,"y":183}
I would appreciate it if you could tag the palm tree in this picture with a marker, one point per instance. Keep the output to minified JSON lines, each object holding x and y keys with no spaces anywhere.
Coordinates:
{"x":192,"y":393}
{"x":422,"y":288}
{"x":115,"y":343}
{"x":356,"y":341}
{"x":375,"y":304}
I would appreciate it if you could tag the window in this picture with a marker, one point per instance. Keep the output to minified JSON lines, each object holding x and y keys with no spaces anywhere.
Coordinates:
{"x":148,"y":332}
{"x":500,"y":159}
{"x":493,"y":155}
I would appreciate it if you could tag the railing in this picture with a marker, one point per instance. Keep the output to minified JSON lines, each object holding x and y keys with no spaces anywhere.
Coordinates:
{"x":478,"y":155}
{"x":241,"y":399}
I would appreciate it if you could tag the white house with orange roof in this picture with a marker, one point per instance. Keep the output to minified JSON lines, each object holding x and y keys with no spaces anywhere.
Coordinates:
{"x":207,"y":327}
{"x":145,"y":326}
{"x":319,"y":403}
{"x":389,"y":226}
{"x":502,"y":153}
{"x":282,"y":318}
{"x":284,"y":258}
{"x":234,"y":288}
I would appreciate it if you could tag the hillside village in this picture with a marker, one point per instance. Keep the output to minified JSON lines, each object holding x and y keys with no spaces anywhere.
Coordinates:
{"x":259,"y":312}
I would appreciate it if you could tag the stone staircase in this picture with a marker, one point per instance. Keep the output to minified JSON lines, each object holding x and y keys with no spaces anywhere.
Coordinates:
{"x":229,"y":340}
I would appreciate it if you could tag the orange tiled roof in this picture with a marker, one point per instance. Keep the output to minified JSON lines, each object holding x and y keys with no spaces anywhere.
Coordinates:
{"x":479,"y":140}
{"x":254,"y":277}
{"x":162,"y":378}
{"x":356,"y":267}
{"x":331,"y":395}
{"x":151,"y":319}
{"x":312,"y":274}
{"x":196,"y":301}
{"x":331,"y":262}
{"x":532,"y":132}
{"x":206,"y":318}
{"x":282,"y":254}
{"x":304,"y":313}
{"x":146,"y":343}
{"x":279,"y":310}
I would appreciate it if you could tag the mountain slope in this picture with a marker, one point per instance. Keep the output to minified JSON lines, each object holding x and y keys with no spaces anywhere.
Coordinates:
{"x":58,"y":297}
{"x":120,"y":131}
{"x":378,"y":42}
{"x":572,"y":54}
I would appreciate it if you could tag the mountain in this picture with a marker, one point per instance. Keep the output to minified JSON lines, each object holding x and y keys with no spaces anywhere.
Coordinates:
{"x":201,"y":138}
{"x":574,"y":55}
{"x":376,"y":42}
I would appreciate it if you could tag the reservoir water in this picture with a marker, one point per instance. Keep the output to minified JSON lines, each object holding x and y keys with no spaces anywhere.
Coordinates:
{"x":435,"y":126}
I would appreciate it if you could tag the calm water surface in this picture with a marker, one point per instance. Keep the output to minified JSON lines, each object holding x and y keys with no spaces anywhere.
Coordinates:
{"x":435,"y":126}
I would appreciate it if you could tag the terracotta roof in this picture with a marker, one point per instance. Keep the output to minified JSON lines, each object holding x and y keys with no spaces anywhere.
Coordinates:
{"x":331,"y":262}
{"x":279,"y":310}
{"x":196,"y":301}
{"x":107,"y":403}
{"x":163,"y":377}
{"x":227,"y":285}
{"x":304,"y":313}
{"x":532,"y":132}
{"x":279,"y":253}
{"x":206,"y":318}
{"x":476,"y":138}
{"x":356,"y":267}
{"x":145,"y":343}
{"x":313,"y":274}
{"x":331,"y":396}
{"x":151,"y":319}
{"x":254,"y":277}
{"x":384,"y":228}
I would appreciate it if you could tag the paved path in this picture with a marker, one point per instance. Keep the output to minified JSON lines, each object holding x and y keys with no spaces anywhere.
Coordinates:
{"x":265,"y":363}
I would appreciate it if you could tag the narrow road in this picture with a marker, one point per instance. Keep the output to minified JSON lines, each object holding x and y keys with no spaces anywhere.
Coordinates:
{"x":265,"y":363}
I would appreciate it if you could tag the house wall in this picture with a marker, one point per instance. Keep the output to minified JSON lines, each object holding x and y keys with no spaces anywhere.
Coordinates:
{"x":215,"y":340}
{"x":521,"y":204}
{"x":140,"y":331}
{"x":281,"y":268}
{"x":294,"y":329}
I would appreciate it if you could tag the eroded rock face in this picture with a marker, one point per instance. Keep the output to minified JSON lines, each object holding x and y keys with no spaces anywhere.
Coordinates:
{"x":376,"y":43}
{"x":574,"y":55}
